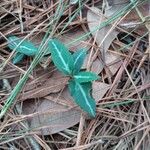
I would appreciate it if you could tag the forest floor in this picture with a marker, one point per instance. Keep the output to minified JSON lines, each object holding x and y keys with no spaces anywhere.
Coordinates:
{"x":36,"y":109}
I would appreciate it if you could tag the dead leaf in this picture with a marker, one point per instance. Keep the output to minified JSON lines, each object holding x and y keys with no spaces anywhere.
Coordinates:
{"x":42,"y":77}
{"x":58,"y":112}
{"x":95,"y":18}
{"x":133,"y":20}
{"x":96,"y":67}
{"x":113,"y":62}
{"x":63,"y":98}
{"x":71,"y":36}
{"x":52,"y":118}
{"x":115,"y":7}
{"x":51,"y":85}
{"x":99,"y":89}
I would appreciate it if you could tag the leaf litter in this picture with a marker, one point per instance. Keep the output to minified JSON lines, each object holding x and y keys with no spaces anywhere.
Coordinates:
{"x":104,"y":38}
{"x":122,"y":93}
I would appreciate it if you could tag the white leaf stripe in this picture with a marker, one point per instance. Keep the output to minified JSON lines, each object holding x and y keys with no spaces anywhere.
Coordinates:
{"x":85,"y":98}
{"x":66,"y":67}
{"x":16,"y":43}
{"x":26,"y":48}
{"x":76,"y":60}
{"x":83,"y":77}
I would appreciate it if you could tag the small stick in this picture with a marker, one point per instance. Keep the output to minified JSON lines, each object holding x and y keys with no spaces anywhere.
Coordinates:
{"x":80,"y":130}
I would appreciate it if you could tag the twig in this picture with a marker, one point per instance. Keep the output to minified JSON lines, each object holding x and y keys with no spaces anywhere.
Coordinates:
{"x":80,"y":130}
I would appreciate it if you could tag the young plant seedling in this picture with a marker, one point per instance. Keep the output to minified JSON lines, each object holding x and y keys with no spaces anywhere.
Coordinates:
{"x":80,"y":82}
{"x":22,"y":47}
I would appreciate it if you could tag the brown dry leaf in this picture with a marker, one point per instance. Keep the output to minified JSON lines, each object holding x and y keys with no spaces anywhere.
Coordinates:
{"x":51,"y":85}
{"x":63,"y":112}
{"x":115,"y":7}
{"x":52,"y":118}
{"x":133,"y":20}
{"x":64,"y":98}
{"x":96,"y":67}
{"x":42,"y":77}
{"x":71,"y":36}
{"x":99,"y":89}
{"x":95,"y":18}
{"x":113,"y":62}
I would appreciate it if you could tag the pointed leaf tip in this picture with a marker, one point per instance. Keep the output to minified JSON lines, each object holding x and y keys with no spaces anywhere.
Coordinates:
{"x":78,"y":58}
{"x":18,"y":57}
{"x":61,"y":56}
{"x":85,"y":77}
{"x":81,"y":96}
{"x":24,"y":47}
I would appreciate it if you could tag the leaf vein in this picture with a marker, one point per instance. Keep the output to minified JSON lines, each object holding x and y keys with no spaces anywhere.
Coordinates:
{"x":86,"y":100}
{"x":61,"y":58}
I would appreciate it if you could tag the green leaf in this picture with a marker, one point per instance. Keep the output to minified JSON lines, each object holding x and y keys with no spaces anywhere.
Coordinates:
{"x":24,"y":47}
{"x":18,"y":57}
{"x":81,"y":95}
{"x":61,"y":56}
{"x":85,"y":77}
{"x":78,"y":58}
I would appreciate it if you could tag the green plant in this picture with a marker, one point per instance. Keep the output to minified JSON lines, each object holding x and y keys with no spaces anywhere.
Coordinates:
{"x":80,"y":81}
{"x":69,"y":64}
{"x":22,"y":48}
